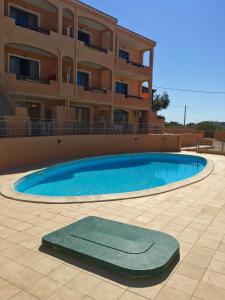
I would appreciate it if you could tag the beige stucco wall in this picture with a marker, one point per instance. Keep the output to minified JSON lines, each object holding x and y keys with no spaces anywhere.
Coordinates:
{"x":15,"y":152}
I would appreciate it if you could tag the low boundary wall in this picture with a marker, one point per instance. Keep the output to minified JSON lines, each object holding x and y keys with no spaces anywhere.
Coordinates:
{"x":17,"y":152}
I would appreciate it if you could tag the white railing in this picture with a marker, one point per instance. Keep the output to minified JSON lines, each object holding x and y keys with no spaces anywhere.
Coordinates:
{"x":10,"y":127}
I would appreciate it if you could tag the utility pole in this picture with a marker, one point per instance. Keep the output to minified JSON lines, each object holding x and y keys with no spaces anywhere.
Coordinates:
{"x":185,"y":114}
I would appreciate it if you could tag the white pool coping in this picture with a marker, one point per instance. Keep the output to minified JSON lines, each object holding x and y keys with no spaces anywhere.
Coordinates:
{"x":8,"y":191}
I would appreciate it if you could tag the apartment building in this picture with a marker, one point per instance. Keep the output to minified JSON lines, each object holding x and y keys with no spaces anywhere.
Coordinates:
{"x":64,"y":60}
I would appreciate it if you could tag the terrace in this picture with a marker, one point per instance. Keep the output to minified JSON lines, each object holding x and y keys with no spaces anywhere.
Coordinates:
{"x":197,"y":221}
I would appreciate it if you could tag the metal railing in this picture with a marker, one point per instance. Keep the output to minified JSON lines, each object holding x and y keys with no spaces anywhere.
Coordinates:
{"x":10,"y":127}
{"x":34,"y":28}
{"x":96,"y":47}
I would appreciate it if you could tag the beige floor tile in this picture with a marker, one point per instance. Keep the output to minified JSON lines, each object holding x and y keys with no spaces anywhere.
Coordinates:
{"x":209,"y":292}
{"x":197,"y":260}
{"x":29,"y":258}
{"x":168,"y":293}
{"x":217,"y":266}
{"x":190,"y":271}
{"x":43,"y":288}
{"x":214,"y":278}
{"x":7,"y":290}
{"x":9,"y":269}
{"x":106,"y":291}
{"x":45,"y":265}
{"x":65,"y":293}
{"x":23,"y":296}
{"x":83,"y":283}
{"x":4,"y":244}
{"x":131,"y":296}
{"x":149,"y":290}
{"x":14,"y":251}
{"x":18,"y":237}
{"x":219,"y":256}
{"x":25,"y":278}
{"x":64,"y":274}
{"x":208,"y":243}
{"x":182,"y":283}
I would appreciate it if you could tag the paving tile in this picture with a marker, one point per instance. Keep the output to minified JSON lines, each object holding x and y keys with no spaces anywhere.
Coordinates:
{"x":7,"y":290}
{"x":190,"y":271}
{"x":45,"y":265}
{"x":83,"y":283}
{"x":217,"y":266}
{"x":23,"y":296}
{"x":148,"y":288}
{"x":131,"y":296}
{"x":168,"y":293}
{"x":106,"y":291}
{"x":214,"y":278}
{"x":29,"y":258}
{"x":9,"y":269}
{"x":43,"y":288}
{"x":209,"y":292}
{"x":14,"y":251}
{"x":182,"y":283}
{"x":64,"y":274}
{"x":25,"y":278}
{"x":65,"y":293}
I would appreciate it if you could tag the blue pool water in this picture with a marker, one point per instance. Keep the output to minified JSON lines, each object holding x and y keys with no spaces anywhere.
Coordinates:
{"x":111,"y":174}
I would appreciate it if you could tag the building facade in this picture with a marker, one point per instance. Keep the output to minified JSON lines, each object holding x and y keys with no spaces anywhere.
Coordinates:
{"x":64,"y":60}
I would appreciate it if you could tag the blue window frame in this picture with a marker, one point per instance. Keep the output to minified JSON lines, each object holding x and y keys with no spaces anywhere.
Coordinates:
{"x":121,"y":88}
{"x":23,"y":18}
{"x":83,"y":79}
{"x":124,"y":54}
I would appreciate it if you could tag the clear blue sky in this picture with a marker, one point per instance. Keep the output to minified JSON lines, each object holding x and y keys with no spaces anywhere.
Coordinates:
{"x":190,"y":51}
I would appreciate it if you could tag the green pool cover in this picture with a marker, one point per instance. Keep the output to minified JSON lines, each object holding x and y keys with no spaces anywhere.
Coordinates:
{"x":130,"y":250}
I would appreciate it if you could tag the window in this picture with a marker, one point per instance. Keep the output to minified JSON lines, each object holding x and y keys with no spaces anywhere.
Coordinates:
{"x":121,"y":88}
{"x":120,"y":116}
{"x":24,"y":67}
{"x":124,"y":54}
{"x":23,"y":18}
{"x":84,"y":37}
{"x":83,"y":79}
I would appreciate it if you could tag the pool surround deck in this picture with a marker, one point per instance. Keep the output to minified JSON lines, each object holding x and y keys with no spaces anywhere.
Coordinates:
{"x":194,"y":215}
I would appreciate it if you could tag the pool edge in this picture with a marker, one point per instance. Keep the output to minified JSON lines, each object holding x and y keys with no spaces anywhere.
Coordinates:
{"x":9,"y":192}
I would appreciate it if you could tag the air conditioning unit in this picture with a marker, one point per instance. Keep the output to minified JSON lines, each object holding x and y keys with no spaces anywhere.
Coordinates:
{"x":138,"y":114}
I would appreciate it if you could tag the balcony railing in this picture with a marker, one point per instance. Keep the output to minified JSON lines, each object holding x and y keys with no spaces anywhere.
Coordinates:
{"x":10,"y":127}
{"x":134,"y":97}
{"x":34,"y":28}
{"x":135,"y":64}
{"x":27,"y":78}
{"x":96,"y":47}
{"x":96,"y":90}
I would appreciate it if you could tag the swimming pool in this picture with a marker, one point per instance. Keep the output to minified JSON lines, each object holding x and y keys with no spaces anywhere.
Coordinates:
{"x":111,"y":174}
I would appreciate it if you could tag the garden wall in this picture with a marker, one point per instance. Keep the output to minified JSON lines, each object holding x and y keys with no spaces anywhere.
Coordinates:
{"x":16,"y":152}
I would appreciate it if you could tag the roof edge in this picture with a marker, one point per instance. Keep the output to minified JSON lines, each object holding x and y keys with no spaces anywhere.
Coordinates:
{"x":137,"y":34}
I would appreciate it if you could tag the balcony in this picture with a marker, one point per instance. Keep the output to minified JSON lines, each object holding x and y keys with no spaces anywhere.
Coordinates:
{"x":131,"y":101}
{"x":24,"y":85}
{"x":94,"y":95}
{"x":95,"y":54}
{"x":133,"y":70}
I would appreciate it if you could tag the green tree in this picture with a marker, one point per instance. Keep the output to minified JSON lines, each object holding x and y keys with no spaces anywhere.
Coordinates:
{"x":208,"y":125}
{"x":160,"y":102}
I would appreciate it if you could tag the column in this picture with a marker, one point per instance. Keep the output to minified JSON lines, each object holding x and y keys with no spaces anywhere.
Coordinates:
{"x":60,"y":20}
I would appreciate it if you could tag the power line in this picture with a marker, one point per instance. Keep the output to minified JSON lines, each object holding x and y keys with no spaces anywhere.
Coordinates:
{"x":191,"y":91}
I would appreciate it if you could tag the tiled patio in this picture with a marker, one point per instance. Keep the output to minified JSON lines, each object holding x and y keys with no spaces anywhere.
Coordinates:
{"x":195,"y":215}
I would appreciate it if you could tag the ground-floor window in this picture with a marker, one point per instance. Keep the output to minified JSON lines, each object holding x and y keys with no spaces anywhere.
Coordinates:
{"x":120,"y":116}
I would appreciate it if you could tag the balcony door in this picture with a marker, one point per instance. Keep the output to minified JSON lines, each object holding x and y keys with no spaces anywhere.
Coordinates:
{"x":23,"y":18}
{"x":24,"y":68}
{"x":83,"y":79}
{"x":84,"y":37}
